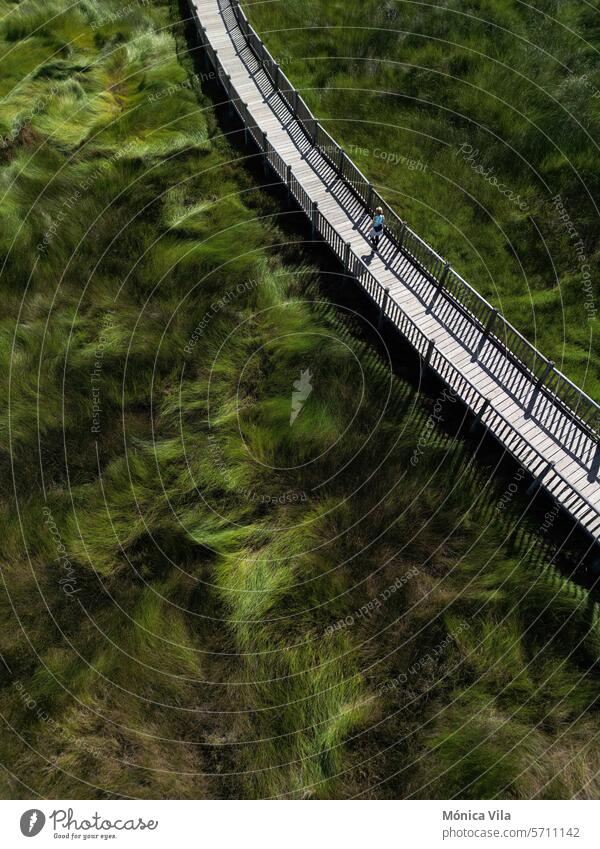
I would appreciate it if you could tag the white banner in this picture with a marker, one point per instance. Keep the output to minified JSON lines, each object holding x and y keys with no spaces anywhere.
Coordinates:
{"x":300,"y":825}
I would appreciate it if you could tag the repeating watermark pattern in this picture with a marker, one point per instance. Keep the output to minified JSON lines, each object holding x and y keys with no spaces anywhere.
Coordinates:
{"x":550,"y":518}
{"x":202,"y":77}
{"x":375,"y":604}
{"x":23,"y":120}
{"x":284,"y":59}
{"x":31,"y":704}
{"x":176,"y":143}
{"x":424,"y":660}
{"x":390,"y":156}
{"x":585,"y":79}
{"x":511,"y":490}
{"x":585,"y":269}
{"x":394,"y":158}
{"x":97,"y":373}
{"x":471,"y":156}
{"x":434,"y":419}
{"x":219,"y":462}
{"x":292,"y":496}
{"x":68,"y":582}
{"x":215,"y":308}
{"x":118,"y":14}
{"x":302,"y":389}
{"x":70,"y":203}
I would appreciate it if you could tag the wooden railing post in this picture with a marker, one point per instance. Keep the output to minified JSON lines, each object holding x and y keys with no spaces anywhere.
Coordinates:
{"x":340,"y":160}
{"x":229,"y":90}
{"x":288,"y":181}
{"x":401,"y":236}
{"x":485,"y":333}
{"x":314,"y":133}
{"x":535,"y":484}
{"x":444,"y":274}
{"x":479,"y":416}
{"x":383,"y":307}
{"x":276,"y":76}
{"x":370,"y":197}
{"x":244,"y":114}
{"x":296,"y":103}
{"x":347,"y":257}
{"x":548,"y":370}
{"x":429,"y":352}
{"x":204,"y":53}
{"x":490,"y":322}
{"x":313,"y":219}
{"x":265,"y":147}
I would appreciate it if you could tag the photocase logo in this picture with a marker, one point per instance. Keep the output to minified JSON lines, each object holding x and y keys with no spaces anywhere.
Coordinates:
{"x":302,"y":389}
{"x":32,"y":822}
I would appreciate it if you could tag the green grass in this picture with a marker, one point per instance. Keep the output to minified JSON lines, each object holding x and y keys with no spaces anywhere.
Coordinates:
{"x":428,"y":99}
{"x":182,"y":586}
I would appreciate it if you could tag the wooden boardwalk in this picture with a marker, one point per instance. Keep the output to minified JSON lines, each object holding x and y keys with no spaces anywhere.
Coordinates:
{"x":543,"y":420}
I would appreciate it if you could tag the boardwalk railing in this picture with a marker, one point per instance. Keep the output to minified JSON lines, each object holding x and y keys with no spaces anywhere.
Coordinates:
{"x":572,"y":400}
{"x":583,"y":511}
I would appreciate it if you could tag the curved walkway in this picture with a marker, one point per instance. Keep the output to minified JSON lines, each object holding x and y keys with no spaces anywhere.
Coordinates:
{"x":558,"y":449}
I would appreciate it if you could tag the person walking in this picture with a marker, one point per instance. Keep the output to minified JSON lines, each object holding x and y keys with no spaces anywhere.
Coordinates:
{"x":377,"y":230}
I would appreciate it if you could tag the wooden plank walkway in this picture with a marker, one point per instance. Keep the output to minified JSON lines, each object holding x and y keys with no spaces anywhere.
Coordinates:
{"x":537,"y":430}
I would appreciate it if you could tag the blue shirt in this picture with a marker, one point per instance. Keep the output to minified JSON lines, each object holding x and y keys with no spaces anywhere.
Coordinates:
{"x":378,"y":221}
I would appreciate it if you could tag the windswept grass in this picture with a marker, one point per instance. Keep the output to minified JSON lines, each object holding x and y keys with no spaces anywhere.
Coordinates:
{"x":202,"y":599}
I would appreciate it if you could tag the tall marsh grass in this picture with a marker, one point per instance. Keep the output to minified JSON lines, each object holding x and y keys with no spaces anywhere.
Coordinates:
{"x":183,"y":569}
